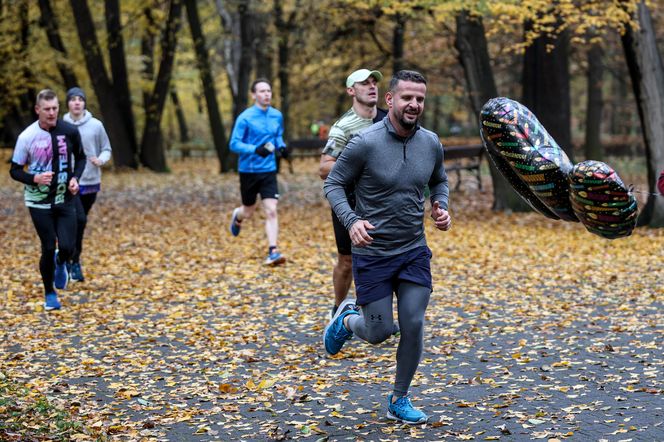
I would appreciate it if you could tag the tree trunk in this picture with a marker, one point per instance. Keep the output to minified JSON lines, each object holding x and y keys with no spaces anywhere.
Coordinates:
{"x":647,"y":74}
{"x":209,"y":90}
{"x":22,"y":114}
{"x":474,"y":57}
{"x":593,"y":147}
{"x":123,"y":155}
{"x":119,"y":69}
{"x":284,"y":29}
{"x":263,"y":53}
{"x":152,"y":148}
{"x":546,"y":86}
{"x":147,"y":53}
{"x":50,"y":23}
{"x":244,"y":67}
{"x":398,"y":42}
{"x":179,"y":115}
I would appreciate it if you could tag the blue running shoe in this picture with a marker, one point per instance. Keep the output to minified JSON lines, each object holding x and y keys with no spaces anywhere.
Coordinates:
{"x":403,"y":411}
{"x":274,"y":258}
{"x":61,"y":277}
{"x":52,"y":302}
{"x":235,"y":224}
{"x":336,"y":334}
{"x":76,"y":272}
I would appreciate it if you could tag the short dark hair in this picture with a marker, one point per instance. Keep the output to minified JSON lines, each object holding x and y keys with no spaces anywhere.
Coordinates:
{"x":45,"y":94}
{"x":405,"y":75}
{"x":260,"y":80}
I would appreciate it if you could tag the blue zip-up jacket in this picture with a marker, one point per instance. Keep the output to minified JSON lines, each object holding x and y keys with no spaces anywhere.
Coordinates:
{"x":255,"y":127}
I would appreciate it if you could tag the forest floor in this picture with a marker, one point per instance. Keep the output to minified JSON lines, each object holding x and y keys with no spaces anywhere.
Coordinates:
{"x":536,"y":329}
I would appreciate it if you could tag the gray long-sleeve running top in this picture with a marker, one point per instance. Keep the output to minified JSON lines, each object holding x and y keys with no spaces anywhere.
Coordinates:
{"x":389,"y":174}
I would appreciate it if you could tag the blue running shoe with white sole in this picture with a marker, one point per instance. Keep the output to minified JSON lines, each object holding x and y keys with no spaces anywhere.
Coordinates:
{"x":403,"y":411}
{"x":274,"y":258}
{"x":61,"y":277}
{"x":52,"y":302}
{"x":336,"y":334}
{"x":235,"y":224}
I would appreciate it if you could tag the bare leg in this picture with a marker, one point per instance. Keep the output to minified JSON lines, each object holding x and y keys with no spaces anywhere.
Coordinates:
{"x":271,"y":220}
{"x":342,"y":277}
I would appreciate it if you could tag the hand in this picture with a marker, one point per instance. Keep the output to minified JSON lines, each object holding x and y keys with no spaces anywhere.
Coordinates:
{"x":43,"y":178}
{"x":96,"y":161}
{"x":265,"y":149}
{"x":359,"y":235}
{"x":440,"y":216}
{"x":73,"y":185}
{"x":284,"y":152}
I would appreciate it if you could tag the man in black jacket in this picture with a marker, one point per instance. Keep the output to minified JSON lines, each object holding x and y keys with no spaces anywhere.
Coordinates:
{"x":52,"y":151}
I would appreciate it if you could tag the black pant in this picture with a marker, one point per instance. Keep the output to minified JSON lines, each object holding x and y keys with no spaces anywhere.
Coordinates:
{"x":83,"y":205}
{"x":55,"y":224}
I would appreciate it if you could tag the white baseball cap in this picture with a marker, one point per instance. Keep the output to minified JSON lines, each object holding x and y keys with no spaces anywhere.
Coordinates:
{"x":362,"y":74}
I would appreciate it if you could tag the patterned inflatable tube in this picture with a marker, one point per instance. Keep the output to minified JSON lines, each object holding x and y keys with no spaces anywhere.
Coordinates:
{"x":528,"y":157}
{"x":601,"y":201}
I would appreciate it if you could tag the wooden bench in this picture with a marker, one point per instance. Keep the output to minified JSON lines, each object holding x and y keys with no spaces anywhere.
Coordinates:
{"x":306,"y":147}
{"x":185,"y":148}
{"x":467,"y":157}
{"x":463,"y":157}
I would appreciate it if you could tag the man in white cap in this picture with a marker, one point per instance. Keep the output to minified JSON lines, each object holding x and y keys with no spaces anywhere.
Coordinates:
{"x":362,"y":86}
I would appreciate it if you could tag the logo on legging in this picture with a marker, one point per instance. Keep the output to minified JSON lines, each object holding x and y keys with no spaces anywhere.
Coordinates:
{"x":62,"y":170}
{"x":376,"y":317}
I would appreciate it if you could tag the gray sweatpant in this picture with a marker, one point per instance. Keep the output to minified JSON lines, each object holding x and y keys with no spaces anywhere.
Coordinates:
{"x":375,"y":325}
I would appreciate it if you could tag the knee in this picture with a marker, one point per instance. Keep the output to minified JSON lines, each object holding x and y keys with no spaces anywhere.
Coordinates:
{"x":48,"y":250}
{"x":81,"y":218}
{"x":379,"y":334}
{"x":411,"y":326}
{"x":345,"y":263}
{"x":271,"y":213}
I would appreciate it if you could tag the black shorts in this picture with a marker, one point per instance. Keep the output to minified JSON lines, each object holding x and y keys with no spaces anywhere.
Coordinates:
{"x":252,"y":184}
{"x":341,"y":235}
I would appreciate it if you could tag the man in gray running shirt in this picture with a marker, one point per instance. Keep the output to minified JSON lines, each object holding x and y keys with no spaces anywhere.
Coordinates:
{"x":390,"y":164}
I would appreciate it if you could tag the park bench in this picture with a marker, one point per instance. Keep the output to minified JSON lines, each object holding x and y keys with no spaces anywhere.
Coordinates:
{"x":306,"y":147}
{"x":186,"y":148}
{"x":464,"y":157}
{"x":467,"y":157}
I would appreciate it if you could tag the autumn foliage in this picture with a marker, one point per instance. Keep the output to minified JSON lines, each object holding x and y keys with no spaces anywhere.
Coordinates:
{"x":179,"y":332}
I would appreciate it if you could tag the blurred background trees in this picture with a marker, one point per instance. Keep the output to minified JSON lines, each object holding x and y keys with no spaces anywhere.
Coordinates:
{"x":165,"y":72}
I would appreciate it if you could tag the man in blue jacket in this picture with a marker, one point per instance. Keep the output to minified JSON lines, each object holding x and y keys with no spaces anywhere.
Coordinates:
{"x":256,"y":138}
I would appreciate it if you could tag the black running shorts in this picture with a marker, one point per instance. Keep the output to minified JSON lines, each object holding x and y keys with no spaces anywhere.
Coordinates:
{"x":341,"y":235}
{"x":253,"y":184}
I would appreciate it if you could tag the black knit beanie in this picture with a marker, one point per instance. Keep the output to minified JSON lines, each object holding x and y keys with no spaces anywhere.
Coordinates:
{"x":76,"y":92}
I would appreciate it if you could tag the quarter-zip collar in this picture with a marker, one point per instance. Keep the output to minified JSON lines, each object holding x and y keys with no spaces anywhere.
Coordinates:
{"x":404,"y":140}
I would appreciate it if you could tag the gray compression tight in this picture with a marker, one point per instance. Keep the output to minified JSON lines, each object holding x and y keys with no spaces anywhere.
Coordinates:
{"x":375,"y":324}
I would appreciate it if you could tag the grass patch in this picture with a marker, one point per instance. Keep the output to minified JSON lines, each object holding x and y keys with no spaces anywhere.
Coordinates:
{"x":27,"y":415}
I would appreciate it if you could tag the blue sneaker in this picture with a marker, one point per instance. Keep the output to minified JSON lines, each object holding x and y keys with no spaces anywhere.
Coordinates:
{"x":235,"y":224}
{"x":61,"y":277}
{"x":403,"y":411}
{"x":76,"y":272}
{"x":52,"y":302}
{"x":336,"y":334}
{"x":274,"y":258}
